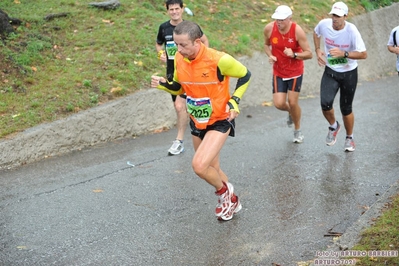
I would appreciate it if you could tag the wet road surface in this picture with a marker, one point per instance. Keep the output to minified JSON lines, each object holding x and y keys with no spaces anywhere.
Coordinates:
{"x":91,"y":208}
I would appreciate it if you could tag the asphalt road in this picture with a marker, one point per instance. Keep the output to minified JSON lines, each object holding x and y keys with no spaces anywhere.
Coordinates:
{"x":91,"y":208}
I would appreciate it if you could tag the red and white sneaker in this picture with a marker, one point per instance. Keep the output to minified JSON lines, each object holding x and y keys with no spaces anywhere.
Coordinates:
{"x":224,"y":201}
{"x":332,"y":135}
{"x":235,"y":207}
{"x":349,"y":144}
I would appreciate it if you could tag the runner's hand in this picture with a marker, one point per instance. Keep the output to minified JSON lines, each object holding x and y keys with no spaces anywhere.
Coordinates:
{"x":288,"y":52}
{"x":155,"y":81}
{"x":162,"y":56}
{"x":320,"y":57}
{"x":232,"y":113}
{"x":336,"y":52}
{"x":272,"y":59}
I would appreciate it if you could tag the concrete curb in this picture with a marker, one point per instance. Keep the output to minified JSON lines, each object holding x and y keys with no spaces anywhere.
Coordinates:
{"x":353,"y":234}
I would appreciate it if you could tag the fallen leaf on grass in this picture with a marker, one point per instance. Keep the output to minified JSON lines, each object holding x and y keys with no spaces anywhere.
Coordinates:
{"x":108,"y":21}
{"x":116,"y":90}
{"x":139,"y":63}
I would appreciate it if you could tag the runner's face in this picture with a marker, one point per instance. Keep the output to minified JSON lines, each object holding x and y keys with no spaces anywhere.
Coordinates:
{"x":186,"y":47}
{"x":282,"y":24}
{"x":338,"y":22}
{"x":175,"y":12}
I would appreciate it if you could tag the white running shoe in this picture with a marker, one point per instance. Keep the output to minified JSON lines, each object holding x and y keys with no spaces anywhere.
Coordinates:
{"x":176,"y":148}
{"x":298,"y":136}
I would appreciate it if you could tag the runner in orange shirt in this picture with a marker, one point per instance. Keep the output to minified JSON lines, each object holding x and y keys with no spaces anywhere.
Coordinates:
{"x":203,"y":74}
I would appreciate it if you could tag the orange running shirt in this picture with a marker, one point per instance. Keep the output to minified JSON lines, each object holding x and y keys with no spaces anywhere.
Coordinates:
{"x":207,"y":97}
{"x":205,"y":81}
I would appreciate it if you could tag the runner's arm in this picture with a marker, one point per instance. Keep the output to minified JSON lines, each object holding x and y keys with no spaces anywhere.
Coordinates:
{"x":266,"y":34}
{"x":303,"y":43}
{"x":233,"y":68}
{"x":172,"y":87}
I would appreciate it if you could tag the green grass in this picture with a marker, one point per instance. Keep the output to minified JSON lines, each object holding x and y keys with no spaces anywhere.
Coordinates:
{"x":54,"y":68}
{"x":382,"y":235}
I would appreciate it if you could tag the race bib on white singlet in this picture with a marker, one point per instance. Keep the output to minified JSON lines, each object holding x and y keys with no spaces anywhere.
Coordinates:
{"x":337,"y":61}
{"x":171,"y":50}
{"x":199,"y":108}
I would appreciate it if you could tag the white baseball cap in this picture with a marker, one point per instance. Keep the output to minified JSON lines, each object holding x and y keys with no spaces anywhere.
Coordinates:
{"x":339,"y":9}
{"x":282,"y":12}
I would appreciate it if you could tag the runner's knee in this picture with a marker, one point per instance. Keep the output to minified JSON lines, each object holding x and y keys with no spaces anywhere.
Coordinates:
{"x":179,"y":106}
{"x":280,"y":106}
{"x":326,"y":106}
{"x":346,"y":110}
{"x":199,"y":168}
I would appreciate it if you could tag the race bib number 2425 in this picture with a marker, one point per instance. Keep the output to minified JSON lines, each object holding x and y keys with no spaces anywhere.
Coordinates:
{"x":199,"y":108}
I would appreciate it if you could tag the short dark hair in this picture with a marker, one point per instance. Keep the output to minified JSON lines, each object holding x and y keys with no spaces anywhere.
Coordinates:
{"x":173,"y":2}
{"x":188,"y":27}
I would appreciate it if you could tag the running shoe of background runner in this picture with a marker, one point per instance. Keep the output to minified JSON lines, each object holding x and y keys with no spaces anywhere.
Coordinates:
{"x":349,"y":144}
{"x":298,"y":136}
{"x":176,"y":148}
{"x":332,"y":135}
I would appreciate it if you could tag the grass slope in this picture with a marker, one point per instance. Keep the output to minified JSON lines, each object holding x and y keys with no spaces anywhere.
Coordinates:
{"x":54,"y":68}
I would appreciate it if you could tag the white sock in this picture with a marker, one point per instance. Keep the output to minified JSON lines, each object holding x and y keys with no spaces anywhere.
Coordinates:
{"x":334,"y":126}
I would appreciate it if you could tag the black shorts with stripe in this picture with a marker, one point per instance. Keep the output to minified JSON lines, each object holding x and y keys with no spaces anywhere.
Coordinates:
{"x":221,"y":126}
{"x":285,"y":85}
